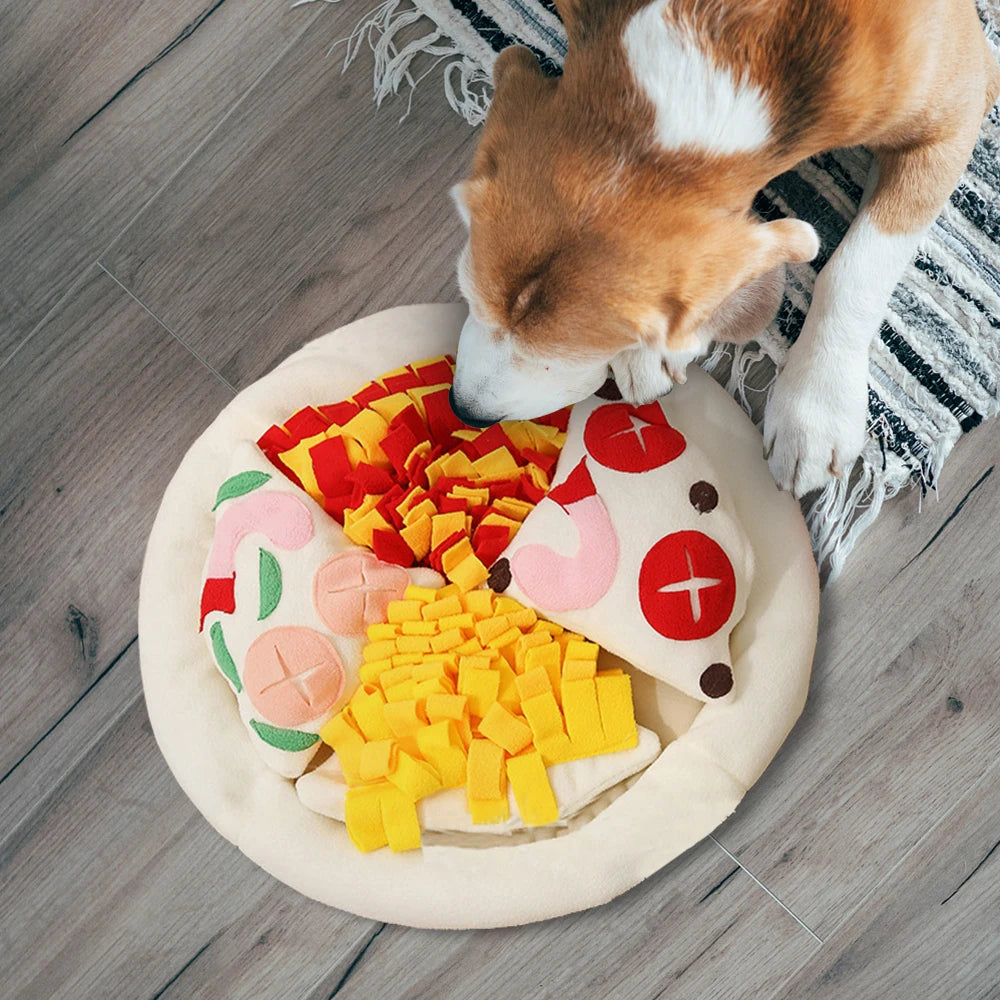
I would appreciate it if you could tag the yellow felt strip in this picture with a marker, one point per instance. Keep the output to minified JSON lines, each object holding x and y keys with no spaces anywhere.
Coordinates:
{"x":379,"y":650}
{"x":533,"y":682}
{"x":505,"y":729}
{"x":486,"y":773}
{"x":583,"y":719}
{"x":422,"y":594}
{"x":532,"y":791}
{"x":395,"y":675}
{"x":507,"y":638}
{"x":429,"y":670}
{"x":347,"y":743}
{"x":419,"y":628}
{"x":370,"y":672}
{"x":479,"y":603}
{"x":481,"y":687}
{"x":469,"y":573}
{"x":297,"y":459}
{"x":614,"y":701}
{"x":367,"y":710}
{"x":582,"y":650}
{"x":403,"y":691}
{"x":363,"y":817}
{"x":399,"y":820}
{"x":579,"y":670}
{"x":507,"y":605}
{"x":442,"y":747}
{"x":414,"y":778}
{"x":405,"y":611}
{"x":404,"y":717}
{"x":414,"y":643}
{"x":418,"y":537}
{"x":489,"y":810}
{"x":441,"y":609}
{"x":464,"y":621}
{"x":378,"y":759}
{"x":447,"y":706}
{"x":433,"y":685}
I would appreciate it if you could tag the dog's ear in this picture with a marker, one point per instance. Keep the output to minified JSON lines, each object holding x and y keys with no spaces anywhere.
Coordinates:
{"x":747,"y":312}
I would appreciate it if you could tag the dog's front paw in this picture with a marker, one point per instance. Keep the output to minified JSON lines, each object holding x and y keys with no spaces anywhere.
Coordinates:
{"x":644,"y":374}
{"x":814,"y":427}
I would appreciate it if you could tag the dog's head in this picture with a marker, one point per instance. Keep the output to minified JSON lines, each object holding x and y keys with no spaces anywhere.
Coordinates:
{"x":588,"y":246}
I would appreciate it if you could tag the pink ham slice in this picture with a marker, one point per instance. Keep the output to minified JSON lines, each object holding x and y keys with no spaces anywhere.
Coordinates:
{"x":555,"y":582}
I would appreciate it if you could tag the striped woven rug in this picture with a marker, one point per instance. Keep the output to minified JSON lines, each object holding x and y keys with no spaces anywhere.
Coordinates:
{"x":935,"y":368}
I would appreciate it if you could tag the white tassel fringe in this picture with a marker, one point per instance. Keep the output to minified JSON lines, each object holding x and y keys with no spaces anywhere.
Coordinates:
{"x":467,"y":85}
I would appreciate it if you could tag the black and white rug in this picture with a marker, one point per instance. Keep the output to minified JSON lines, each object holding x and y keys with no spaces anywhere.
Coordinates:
{"x":934,"y":371}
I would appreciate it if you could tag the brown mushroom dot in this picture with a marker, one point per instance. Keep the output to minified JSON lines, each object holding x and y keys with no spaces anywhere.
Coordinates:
{"x":717,"y":680}
{"x":609,"y":390}
{"x":499,"y":579}
{"x":704,"y":497}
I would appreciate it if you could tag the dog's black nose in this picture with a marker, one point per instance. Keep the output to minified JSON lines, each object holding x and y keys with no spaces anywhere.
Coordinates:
{"x":464,"y":415}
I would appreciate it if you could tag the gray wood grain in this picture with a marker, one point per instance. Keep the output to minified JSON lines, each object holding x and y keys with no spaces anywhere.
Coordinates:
{"x":97,"y":414}
{"x":115,"y":886}
{"x":931,"y":928}
{"x":698,"y":929}
{"x":904,"y":710}
{"x":101,"y":104}
{"x":307,"y":209}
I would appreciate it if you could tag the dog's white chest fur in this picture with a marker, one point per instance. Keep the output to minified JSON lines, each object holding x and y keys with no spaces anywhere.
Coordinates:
{"x":697,"y":103}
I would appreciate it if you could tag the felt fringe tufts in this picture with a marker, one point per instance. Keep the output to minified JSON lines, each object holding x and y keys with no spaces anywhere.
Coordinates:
{"x":467,"y":86}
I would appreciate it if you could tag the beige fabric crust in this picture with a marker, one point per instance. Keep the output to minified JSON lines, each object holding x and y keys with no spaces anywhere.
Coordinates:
{"x":693,"y":786}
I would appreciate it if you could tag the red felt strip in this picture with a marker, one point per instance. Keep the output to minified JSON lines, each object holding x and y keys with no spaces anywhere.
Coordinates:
{"x":440,"y":416}
{"x":340,"y":413}
{"x":400,"y":383}
{"x":369,"y":393}
{"x":489,"y":541}
{"x":331,"y":466}
{"x":390,"y":547}
{"x":218,"y":594}
{"x":306,"y":423}
{"x":437,"y":373}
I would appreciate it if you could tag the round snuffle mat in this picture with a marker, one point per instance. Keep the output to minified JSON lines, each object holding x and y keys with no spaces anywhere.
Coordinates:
{"x":713,"y":707}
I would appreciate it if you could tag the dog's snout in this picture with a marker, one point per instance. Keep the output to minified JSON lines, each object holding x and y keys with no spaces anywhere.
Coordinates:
{"x":470,"y":419}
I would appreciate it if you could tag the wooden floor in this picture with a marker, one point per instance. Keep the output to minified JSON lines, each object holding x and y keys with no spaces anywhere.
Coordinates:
{"x":189,"y":192}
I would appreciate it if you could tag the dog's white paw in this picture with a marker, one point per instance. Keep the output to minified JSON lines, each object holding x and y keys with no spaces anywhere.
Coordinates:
{"x":814,"y":426}
{"x":644,"y":374}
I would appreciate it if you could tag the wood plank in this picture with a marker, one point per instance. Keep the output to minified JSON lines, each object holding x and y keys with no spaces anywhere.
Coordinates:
{"x":699,"y":928}
{"x":115,"y":886}
{"x":305,"y":210}
{"x":100,"y":406}
{"x":932,"y":928}
{"x":101,"y":104}
{"x":904,"y":710}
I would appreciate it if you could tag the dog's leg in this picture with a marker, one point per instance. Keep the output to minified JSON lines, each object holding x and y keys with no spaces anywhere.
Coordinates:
{"x":815,"y":424}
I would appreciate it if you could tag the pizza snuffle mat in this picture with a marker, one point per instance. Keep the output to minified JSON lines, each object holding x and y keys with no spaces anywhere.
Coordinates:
{"x":454,"y":677}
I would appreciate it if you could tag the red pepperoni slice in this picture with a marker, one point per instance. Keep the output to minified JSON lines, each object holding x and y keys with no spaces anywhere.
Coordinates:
{"x":687,"y":587}
{"x":632,"y":438}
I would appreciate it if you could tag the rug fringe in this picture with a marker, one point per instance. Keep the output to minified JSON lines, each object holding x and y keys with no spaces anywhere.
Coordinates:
{"x":847,"y":507}
{"x":467,"y":85}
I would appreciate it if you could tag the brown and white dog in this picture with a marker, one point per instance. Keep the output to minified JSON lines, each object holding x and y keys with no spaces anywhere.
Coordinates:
{"x":609,"y":210}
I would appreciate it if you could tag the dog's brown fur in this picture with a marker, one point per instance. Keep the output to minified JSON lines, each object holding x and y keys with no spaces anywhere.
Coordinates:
{"x":584,"y":233}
